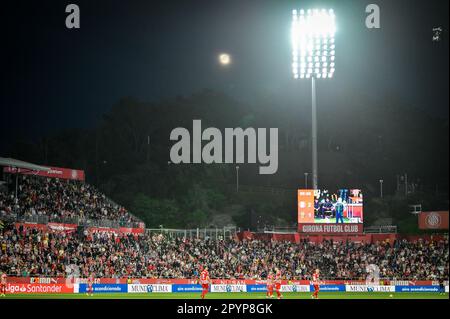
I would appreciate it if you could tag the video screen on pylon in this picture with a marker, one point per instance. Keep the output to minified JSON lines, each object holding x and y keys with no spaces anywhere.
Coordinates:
{"x":322,"y":206}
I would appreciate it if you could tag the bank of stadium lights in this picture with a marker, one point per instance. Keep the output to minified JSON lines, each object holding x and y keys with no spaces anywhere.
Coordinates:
{"x":313,"y":43}
{"x":313,"y":57}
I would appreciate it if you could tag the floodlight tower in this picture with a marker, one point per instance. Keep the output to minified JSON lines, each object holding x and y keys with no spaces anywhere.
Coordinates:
{"x":313,"y":57}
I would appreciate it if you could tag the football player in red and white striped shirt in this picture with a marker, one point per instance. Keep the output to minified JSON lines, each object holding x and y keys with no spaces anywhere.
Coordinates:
{"x":315,"y":283}
{"x":269,"y":285}
{"x":204,"y":281}
{"x":90,"y":288}
{"x":3,"y":279}
{"x":278,"y":283}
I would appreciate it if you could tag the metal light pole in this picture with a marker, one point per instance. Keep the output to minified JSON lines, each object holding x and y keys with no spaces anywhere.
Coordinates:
{"x":406,"y":185}
{"x":381,"y":188}
{"x":313,"y":56}
{"x":237,"y":179}
{"x":314,"y":133}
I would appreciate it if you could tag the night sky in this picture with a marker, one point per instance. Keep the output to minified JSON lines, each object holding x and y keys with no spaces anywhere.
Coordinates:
{"x":53,"y":77}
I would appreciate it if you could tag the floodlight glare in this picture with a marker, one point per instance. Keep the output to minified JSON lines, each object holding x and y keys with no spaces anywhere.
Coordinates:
{"x":312,"y":37}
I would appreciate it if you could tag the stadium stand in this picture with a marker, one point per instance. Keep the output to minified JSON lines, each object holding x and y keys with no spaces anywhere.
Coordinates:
{"x":35,"y":252}
{"x":60,"y":200}
{"x":30,"y":248}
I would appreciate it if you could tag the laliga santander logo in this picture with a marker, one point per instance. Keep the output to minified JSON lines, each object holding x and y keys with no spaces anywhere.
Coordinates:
{"x":16,"y":288}
{"x":433,"y":220}
{"x":72,"y":272}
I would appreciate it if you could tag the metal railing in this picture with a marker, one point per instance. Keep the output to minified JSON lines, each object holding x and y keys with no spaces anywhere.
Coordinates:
{"x":113,"y":203}
{"x":8,"y":217}
{"x":198,"y":233}
{"x":386,"y":229}
{"x":278,"y":230}
{"x":45,"y":219}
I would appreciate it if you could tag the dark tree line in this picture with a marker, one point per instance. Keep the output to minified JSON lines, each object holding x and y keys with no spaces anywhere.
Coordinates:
{"x":126,"y":155}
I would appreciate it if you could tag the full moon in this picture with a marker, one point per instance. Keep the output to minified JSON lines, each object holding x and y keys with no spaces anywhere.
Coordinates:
{"x":224,"y":59}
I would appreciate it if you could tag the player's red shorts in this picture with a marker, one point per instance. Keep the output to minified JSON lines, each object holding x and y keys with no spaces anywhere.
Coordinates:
{"x":277,"y":286}
{"x":269,"y":288}
{"x":316,"y":287}
{"x":205,"y":286}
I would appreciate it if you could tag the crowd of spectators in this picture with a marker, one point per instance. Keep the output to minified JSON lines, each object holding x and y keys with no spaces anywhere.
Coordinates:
{"x":60,"y":200}
{"x":31,"y":252}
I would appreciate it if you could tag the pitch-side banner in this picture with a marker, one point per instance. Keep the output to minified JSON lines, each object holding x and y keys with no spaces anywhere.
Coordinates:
{"x":102,"y":288}
{"x":54,"y":172}
{"x":186,"y":288}
{"x":38,"y":289}
{"x":327,"y":229}
{"x":433,"y":220}
{"x":295,"y":288}
{"x":416,"y":288}
{"x":228,"y":288}
{"x":142,"y":289}
{"x":369,"y":288}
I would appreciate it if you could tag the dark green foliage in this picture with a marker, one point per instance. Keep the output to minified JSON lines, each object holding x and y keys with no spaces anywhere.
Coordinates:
{"x":126,"y":155}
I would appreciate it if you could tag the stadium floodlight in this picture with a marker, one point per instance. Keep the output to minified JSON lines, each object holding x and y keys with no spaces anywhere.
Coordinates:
{"x":313,"y":44}
{"x":312,"y":35}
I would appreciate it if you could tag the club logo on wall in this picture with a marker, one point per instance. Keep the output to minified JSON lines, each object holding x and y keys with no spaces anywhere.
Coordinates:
{"x":433,"y":220}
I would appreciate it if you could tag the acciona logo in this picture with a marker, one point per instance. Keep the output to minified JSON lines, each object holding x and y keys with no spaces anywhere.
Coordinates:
{"x":433,"y":220}
{"x":213,"y":152}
